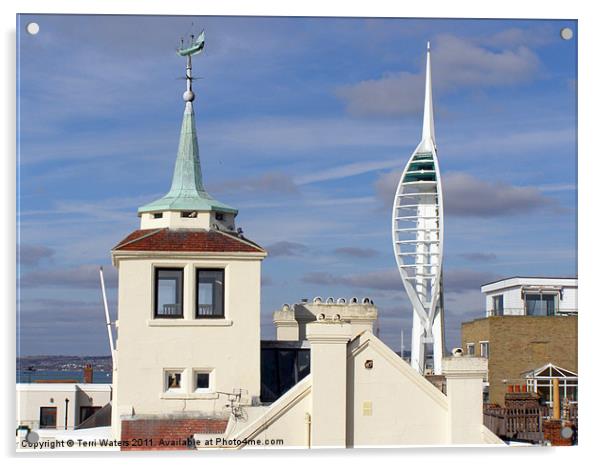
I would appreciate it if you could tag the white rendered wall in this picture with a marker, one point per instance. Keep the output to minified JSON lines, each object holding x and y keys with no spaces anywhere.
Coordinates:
{"x":386,"y":404}
{"x":406,"y":409}
{"x":174,"y":219}
{"x":230,"y":347}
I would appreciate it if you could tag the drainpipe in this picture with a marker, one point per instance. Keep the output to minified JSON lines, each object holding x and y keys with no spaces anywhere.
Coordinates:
{"x":556,"y":397}
{"x":308,"y":429}
{"x":66,"y":411}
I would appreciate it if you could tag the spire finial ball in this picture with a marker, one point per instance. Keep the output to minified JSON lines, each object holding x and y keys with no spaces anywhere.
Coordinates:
{"x":188,"y":96}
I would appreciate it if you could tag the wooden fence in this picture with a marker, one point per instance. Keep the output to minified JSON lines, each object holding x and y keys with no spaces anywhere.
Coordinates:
{"x":521,"y":423}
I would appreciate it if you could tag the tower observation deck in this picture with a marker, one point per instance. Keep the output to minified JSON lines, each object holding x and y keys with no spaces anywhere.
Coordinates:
{"x":417,"y":232}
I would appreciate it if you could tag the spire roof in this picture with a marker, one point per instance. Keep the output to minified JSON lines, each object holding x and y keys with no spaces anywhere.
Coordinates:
{"x":428,"y":123}
{"x":187,"y":191}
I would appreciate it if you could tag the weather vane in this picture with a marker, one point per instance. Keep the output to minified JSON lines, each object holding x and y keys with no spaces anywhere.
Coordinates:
{"x":196,"y":46}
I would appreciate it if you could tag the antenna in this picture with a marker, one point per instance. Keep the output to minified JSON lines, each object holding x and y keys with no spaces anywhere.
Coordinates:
{"x":107,"y":318}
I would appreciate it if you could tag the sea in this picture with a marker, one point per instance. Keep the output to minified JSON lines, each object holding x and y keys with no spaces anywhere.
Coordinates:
{"x":24,"y":376}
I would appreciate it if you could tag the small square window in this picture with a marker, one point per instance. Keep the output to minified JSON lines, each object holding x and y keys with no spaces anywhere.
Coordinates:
{"x":470,"y":349}
{"x":48,"y":417}
{"x":173,"y":380}
{"x":159,"y":215}
{"x":202,"y":381}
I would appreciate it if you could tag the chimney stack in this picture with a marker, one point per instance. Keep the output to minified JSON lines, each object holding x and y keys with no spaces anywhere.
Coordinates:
{"x":88,"y":373}
{"x":328,"y":340}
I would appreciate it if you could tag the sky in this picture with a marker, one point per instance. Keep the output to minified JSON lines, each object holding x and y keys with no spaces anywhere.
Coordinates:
{"x":304,"y":125}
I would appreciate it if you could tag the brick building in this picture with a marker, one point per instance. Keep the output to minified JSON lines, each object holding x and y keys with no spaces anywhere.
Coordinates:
{"x":531,"y":334}
{"x":515,"y":345}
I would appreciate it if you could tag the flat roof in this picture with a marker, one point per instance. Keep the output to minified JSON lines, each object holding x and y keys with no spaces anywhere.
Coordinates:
{"x":524,"y":277}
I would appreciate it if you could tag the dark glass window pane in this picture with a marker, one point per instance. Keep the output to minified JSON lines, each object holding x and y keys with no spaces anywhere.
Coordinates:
{"x":168,"y":292}
{"x":202,"y":380}
{"x":269,"y":375}
{"x":210,"y":293}
{"x":303,"y":362}
{"x":47,"y":417}
{"x":286,"y":369}
{"x":540,"y":304}
{"x":173,"y":380}
{"x":498,"y":305}
{"x":86,"y":411}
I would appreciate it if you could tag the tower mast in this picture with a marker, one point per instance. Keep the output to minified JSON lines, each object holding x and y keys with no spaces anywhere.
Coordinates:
{"x":417,"y":233}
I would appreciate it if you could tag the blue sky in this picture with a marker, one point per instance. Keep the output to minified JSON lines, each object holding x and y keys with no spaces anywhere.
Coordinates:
{"x":304,"y":125}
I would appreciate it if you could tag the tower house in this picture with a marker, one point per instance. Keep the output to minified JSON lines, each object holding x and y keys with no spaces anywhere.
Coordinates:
{"x":188,"y":306}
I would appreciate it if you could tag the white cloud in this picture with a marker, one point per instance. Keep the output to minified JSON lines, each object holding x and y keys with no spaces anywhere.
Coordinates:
{"x":457,"y":63}
{"x":469,"y":196}
{"x":345,"y":171}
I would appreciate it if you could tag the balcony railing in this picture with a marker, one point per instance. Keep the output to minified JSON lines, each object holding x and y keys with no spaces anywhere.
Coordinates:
{"x":520,"y":311}
{"x":208,"y":310}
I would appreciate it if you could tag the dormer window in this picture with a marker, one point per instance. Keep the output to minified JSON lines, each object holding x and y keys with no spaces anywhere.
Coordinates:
{"x":210,"y":293}
{"x":168,"y":293}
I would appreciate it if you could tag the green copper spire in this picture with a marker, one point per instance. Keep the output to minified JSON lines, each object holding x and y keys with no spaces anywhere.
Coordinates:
{"x":187,"y":191}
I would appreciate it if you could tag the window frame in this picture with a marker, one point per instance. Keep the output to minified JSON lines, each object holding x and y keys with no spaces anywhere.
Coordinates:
{"x":210,"y":387}
{"x":469,"y":347}
{"x":166,"y":387}
{"x":498,"y":311}
{"x":196,"y":293}
{"x":156,"y":314}
{"x":541,"y":294}
{"x":481,"y":344}
{"x":53,"y":408}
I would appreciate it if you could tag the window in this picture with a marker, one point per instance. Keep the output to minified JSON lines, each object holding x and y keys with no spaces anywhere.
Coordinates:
{"x":219,"y":216}
{"x":281,"y":369}
{"x":202,"y":381}
{"x":86,"y":411}
{"x":470,"y":349}
{"x":210,"y":293}
{"x":484,"y":349}
{"x":159,"y":215}
{"x":173,"y":380}
{"x":539,"y":304}
{"x":498,"y":305}
{"x":168,"y":293}
{"x":48,"y":417}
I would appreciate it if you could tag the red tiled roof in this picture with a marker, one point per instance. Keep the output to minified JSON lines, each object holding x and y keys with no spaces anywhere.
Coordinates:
{"x":164,"y":239}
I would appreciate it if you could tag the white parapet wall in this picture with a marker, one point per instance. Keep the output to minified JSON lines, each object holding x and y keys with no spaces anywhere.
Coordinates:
{"x":292,"y":321}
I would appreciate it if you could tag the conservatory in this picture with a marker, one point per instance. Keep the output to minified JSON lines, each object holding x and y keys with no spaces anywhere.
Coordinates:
{"x":540,"y":381}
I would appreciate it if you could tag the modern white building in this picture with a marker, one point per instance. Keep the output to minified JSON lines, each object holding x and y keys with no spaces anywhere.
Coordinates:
{"x":51,"y":407}
{"x":417,"y":231}
{"x":531,"y":296}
